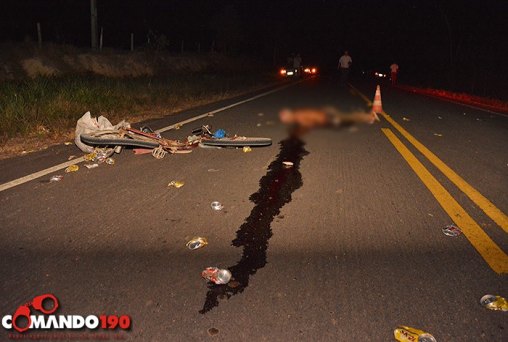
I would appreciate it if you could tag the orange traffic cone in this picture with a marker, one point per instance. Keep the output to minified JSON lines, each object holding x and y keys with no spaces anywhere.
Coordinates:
{"x":377,"y":106}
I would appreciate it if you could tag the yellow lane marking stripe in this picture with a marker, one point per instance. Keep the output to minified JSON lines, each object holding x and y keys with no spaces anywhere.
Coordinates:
{"x":487,"y":206}
{"x":496,"y":258}
{"x":481,"y":201}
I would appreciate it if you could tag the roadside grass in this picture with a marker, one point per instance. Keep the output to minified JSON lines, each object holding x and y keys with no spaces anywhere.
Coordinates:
{"x":48,"y":107}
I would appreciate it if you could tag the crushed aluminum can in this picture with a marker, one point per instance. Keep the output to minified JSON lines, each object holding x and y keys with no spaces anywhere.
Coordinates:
{"x":452,"y":230}
{"x":197,"y":242}
{"x":287,"y":164}
{"x":216,"y":205}
{"x":216,"y":275}
{"x":56,"y":178}
{"x":247,"y":149}
{"x":492,"y":302}
{"x":176,"y":184}
{"x":408,"y":334}
{"x":72,"y":168}
{"x":110,"y":161}
{"x":91,"y":166}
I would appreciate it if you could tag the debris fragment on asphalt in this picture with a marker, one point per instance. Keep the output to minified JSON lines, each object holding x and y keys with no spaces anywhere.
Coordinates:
{"x":90,"y":156}
{"x":216,"y":205}
{"x":197,"y":242}
{"x":110,"y":161}
{"x":247,"y":149}
{"x":67,"y":143}
{"x":72,"y":168}
{"x":452,"y":230}
{"x":440,"y":117}
{"x":216,"y":275}
{"x":496,"y":303}
{"x":406,"y":119}
{"x":258,"y":125}
{"x":91,"y":166}
{"x":438,"y":134}
{"x":408,"y":334}
{"x":287,"y":164}
{"x":56,"y":178}
{"x":213,"y":170}
{"x":142,"y":150}
{"x":176,"y":184}
{"x":71,"y":157}
{"x":260,"y":114}
{"x":178,"y":126}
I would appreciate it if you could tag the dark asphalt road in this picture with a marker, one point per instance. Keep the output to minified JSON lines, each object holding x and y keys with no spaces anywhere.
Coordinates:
{"x":345,"y":246}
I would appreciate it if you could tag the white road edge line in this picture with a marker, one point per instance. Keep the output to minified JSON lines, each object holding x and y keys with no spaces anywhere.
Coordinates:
{"x":58,"y":167}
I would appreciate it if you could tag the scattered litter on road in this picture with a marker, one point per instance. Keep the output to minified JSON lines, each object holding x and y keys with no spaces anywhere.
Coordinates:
{"x":430,"y":214}
{"x":216,"y":275}
{"x":110,"y":161}
{"x":452,"y":230}
{"x":213,"y":170}
{"x":492,"y":302}
{"x":216,"y":205}
{"x":56,"y":178}
{"x":247,"y":149}
{"x":440,"y":117}
{"x":260,"y":114}
{"x":478,"y":119}
{"x":197,"y":242}
{"x":258,"y":125}
{"x":438,"y":134}
{"x":408,"y":334}
{"x":91,"y":166}
{"x":287,"y":164}
{"x":213,"y":331}
{"x":67,"y":143}
{"x":72,"y":168}
{"x":176,"y":184}
{"x":211,"y":115}
{"x":178,"y":126}
{"x":406,"y":119}
{"x":269,"y":123}
{"x":71,"y":157}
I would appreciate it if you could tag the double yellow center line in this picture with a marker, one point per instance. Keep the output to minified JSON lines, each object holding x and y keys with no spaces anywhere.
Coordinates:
{"x":495,"y":257}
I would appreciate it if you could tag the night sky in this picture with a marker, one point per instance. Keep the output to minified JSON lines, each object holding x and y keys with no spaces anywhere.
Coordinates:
{"x":445,"y":36}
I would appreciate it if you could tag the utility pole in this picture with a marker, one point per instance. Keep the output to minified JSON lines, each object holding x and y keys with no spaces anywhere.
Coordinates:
{"x":93,"y":20}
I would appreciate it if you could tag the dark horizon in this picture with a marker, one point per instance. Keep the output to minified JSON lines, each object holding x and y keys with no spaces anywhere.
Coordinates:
{"x":463,"y":41}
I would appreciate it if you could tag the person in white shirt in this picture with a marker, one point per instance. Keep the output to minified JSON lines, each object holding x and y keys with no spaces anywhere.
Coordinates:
{"x":345,"y":62}
{"x":394,"y":69}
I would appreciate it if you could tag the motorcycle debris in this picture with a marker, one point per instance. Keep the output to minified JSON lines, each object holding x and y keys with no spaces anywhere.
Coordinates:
{"x":247,"y":149}
{"x":159,"y":153}
{"x":176,"y":184}
{"x":216,"y":275}
{"x":197,"y":242}
{"x":492,"y":302}
{"x":56,"y":178}
{"x":216,"y":206}
{"x":72,"y":168}
{"x":91,"y":166}
{"x":110,"y":161}
{"x":408,"y":334}
{"x":452,"y":230}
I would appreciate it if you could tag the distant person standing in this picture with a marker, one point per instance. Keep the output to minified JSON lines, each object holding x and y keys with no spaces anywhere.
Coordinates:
{"x":345,"y":62}
{"x":394,"y":69}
